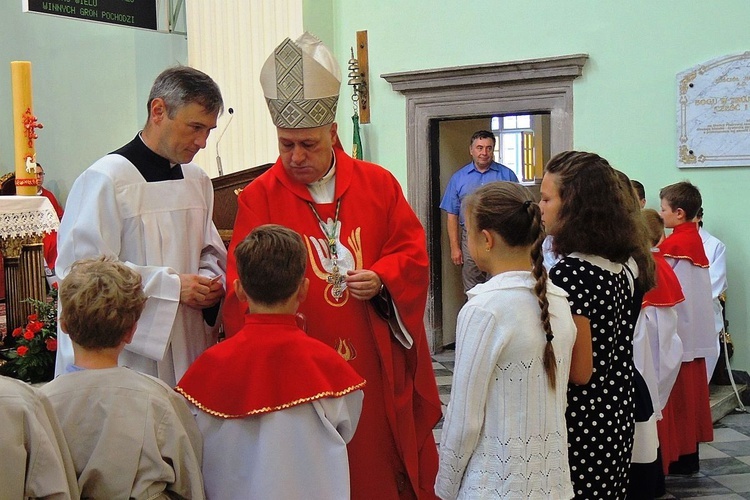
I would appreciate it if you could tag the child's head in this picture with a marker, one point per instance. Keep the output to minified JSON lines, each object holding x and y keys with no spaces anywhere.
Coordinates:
{"x":640,"y":191}
{"x":271,"y":263}
{"x":680,"y":203}
{"x":654,"y":225}
{"x":587,"y":209}
{"x":507,"y":210}
{"x":102,"y":300}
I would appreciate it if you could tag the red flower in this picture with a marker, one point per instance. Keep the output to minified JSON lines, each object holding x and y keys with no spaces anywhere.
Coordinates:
{"x":54,"y":285}
{"x":22,"y":350}
{"x":28,"y":335}
{"x":17,"y":332}
{"x":35,"y":326}
{"x":51,"y":344}
{"x":33,"y":317}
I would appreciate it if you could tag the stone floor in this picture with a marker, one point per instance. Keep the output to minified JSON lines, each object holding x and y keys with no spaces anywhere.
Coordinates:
{"x":725,"y":462}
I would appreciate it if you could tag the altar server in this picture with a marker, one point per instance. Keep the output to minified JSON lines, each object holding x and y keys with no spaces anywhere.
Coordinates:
{"x":688,"y":403}
{"x":271,"y":398}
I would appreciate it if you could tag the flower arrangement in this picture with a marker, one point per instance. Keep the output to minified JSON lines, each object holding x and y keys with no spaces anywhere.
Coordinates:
{"x":33,"y":358}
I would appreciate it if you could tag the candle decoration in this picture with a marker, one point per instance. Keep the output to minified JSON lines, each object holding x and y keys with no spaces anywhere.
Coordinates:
{"x":24,"y":128}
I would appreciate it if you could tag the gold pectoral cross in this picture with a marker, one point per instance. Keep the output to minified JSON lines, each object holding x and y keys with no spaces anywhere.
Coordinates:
{"x":337,"y":280}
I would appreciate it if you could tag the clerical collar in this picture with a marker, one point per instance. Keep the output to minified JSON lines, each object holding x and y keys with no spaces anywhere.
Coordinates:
{"x":324,"y":189}
{"x":153,"y":167}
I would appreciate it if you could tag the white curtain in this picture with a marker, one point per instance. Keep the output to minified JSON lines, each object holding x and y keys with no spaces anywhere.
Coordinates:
{"x":230,"y":41}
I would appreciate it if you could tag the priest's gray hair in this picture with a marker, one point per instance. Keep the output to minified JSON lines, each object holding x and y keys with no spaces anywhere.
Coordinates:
{"x":182,"y":85}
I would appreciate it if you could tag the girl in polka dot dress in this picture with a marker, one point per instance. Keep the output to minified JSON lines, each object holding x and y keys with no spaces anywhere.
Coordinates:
{"x":595,"y":230}
{"x":504,"y":434}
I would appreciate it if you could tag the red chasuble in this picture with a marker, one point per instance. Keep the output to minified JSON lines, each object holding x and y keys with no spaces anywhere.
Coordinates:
{"x":269,"y":365}
{"x":667,"y":291}
{"x":393,"y":445}
{"x":685,"y":243}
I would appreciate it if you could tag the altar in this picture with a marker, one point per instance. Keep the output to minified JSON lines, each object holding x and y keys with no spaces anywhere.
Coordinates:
{"x":24,"y":220}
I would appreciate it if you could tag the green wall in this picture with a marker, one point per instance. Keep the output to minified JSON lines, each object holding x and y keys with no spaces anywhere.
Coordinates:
{"x":90,"y":86}
{"x":624,"y":104}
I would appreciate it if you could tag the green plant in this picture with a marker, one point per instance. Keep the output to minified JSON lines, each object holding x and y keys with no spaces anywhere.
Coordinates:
{"x":33,"y":358}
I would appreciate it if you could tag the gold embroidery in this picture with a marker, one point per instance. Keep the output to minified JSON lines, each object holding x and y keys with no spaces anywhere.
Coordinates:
{"x":346,"y":349}
{"x":355,"y":241}
{"x":269,"y":409}
{"x":317,"y":264}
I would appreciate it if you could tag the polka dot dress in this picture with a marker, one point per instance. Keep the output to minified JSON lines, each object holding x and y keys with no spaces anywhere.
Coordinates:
{"x":600,"y":414}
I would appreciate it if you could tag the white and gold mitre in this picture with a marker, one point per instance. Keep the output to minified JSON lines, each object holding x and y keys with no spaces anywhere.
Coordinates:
{"x":301,"y":82}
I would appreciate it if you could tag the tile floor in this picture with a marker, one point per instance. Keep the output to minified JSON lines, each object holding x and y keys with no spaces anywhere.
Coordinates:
{"x":725,"y":462}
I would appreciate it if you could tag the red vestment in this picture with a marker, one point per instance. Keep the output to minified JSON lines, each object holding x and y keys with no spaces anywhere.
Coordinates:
{"x":394,"y":444}
{"x":685,"y":243}
{"x":667,"y":291}
{"x":269,"y":365}
{"x":50,"y":240}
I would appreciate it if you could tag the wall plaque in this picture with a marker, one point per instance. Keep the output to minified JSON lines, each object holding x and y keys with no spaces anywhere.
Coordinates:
{"x":713,"y":113}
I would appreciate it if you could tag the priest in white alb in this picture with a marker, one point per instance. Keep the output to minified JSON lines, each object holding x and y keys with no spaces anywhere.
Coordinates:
{"x":150,"y":207}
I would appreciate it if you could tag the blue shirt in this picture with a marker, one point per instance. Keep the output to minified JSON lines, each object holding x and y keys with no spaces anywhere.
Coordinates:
{"x":466,"y":180}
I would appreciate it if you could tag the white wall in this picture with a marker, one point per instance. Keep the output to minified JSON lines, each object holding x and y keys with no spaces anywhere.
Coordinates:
{"x":90,"y":86}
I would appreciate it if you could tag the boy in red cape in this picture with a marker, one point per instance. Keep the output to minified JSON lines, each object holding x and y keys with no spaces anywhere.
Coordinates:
{"x":688,"y":401}
{"x":273,"y":400}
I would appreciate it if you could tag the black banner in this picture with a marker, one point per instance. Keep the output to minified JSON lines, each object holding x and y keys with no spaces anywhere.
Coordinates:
{"x":133,"y":13}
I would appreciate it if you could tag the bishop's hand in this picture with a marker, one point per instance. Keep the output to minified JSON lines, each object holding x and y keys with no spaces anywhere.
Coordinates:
{"x":363,"y":284}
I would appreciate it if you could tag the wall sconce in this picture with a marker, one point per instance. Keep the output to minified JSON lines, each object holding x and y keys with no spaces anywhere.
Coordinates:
{"x":359,"y":70}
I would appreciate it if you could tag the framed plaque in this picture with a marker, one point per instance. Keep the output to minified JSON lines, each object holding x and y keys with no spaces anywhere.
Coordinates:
{"x":713,"y":113}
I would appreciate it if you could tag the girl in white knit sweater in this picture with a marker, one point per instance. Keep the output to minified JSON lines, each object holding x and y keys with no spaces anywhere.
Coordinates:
{"x":504,"y":434}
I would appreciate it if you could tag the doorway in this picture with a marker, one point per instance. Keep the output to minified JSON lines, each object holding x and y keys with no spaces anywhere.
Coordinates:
{"x":538,"y":86}
{"x":521,"y":144}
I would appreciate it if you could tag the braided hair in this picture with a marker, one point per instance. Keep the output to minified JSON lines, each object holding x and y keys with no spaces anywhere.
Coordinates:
{"x":507,"y":209}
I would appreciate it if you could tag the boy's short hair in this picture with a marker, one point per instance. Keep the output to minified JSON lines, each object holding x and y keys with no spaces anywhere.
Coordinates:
{"x":271,"y":263}
{"x":638,"y":186}
{"x":102,"y":300}
{"x":683,"y":195}
{"x":654,"y":225}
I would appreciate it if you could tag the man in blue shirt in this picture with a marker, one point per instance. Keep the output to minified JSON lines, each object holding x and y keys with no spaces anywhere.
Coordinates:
{"x":466,"y":180}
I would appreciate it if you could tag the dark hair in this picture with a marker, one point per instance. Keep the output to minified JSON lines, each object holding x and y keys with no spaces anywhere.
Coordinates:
{"x":271,"y":263}
{"x":101,"y":300}
{"x":683,"y":195}
{"x":507,"y":209}
{"x":482,"y":134}
{"x":596,"y":214}
{"x":638,"y":189}
{"x":182,"y":85}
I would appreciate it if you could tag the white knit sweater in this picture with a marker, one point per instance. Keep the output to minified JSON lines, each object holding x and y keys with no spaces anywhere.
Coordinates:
{"x":504,"y":434}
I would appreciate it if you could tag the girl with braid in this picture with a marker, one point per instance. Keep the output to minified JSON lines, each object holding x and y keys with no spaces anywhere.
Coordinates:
{"x":504,"y":432}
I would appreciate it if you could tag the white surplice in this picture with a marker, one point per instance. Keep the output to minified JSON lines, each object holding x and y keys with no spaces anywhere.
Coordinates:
{"x":36,"y":462}
{"x":657,"y":352}
{"x":299,"y":452}
{"x":716,"y":252}
{"x":159,"y":229}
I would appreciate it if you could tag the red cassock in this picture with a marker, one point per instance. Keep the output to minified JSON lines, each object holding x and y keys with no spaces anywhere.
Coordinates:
{"x":393,"y":445}
{"x":686,"y":419}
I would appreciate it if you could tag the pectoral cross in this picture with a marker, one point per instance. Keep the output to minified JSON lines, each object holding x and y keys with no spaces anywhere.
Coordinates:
{"x":337,"y":280}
